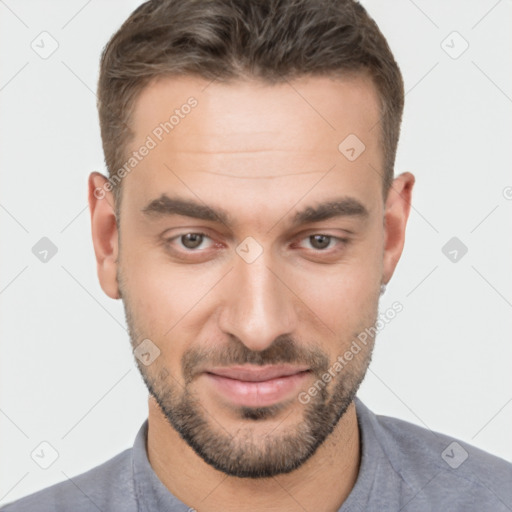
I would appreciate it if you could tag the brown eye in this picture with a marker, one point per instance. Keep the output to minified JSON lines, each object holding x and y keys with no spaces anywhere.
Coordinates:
{"x":192,"y":240}
{"x":320,"y":241}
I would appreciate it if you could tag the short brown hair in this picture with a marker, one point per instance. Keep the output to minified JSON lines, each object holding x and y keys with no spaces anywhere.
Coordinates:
{"x":270,"y":40}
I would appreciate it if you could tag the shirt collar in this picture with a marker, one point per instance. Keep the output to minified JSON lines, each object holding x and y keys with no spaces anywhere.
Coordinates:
{"x":377,"y":482}
{"x":153,"y":496}
{"x":151,"y":493}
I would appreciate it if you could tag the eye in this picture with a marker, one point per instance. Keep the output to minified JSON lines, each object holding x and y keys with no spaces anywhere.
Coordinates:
{"x":321,"y":242}
{"x":190,"y":241}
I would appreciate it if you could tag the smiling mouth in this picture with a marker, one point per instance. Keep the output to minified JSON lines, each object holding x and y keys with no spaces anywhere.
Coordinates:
{"x":257,"y":386}
{"x":257,"y":374}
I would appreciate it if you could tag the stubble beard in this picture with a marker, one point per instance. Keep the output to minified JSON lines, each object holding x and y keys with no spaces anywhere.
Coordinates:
{"x":246,"y":455}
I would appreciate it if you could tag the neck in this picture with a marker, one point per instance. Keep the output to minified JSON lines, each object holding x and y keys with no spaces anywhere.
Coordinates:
{"x":323,"y":482}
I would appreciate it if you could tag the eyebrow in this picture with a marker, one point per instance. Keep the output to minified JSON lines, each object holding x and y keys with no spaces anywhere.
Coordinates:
{"x":338,"y":207}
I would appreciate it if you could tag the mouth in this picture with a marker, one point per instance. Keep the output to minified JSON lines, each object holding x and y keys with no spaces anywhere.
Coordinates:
{"x":256,"y":386}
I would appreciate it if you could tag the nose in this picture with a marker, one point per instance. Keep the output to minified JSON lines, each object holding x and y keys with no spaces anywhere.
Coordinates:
{"x":259,"y":306}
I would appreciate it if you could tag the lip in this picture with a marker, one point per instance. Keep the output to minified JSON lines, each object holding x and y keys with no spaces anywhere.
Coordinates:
{"x":257,"y":373}
{"x":257,"y":386}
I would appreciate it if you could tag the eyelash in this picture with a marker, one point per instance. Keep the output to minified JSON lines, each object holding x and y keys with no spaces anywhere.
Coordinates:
{"x":341,"y":242}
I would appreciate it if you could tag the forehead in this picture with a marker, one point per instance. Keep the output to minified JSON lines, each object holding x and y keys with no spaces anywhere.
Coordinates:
{"x":254,"y":140}
{"x":318,"y":110}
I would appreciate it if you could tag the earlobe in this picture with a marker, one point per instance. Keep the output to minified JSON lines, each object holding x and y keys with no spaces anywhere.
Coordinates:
{"x":104,"y":233}
{"x":396,"y":213}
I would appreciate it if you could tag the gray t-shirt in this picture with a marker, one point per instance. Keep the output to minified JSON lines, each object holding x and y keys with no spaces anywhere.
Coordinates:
{"x":404,"y":468}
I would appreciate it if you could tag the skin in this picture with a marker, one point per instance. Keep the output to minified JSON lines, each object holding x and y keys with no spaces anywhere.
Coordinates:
{"x":261,"y":153}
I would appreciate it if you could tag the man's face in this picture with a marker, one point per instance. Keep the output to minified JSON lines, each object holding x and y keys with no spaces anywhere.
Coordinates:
{"x":261,"y":287}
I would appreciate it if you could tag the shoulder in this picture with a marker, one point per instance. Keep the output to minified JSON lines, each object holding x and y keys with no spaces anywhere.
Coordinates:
{"x":108,"y":486}
{"x":442,"y":469}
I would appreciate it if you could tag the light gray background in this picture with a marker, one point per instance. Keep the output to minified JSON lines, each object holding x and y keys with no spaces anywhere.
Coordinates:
{"x":67,"y":375}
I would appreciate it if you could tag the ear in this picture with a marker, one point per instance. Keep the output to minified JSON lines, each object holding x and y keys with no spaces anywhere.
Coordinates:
{"x":397,"y":208}
{"x":104,"y":232}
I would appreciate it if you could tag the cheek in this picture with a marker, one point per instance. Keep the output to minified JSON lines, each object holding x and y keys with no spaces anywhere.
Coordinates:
{"x":170,"y":302}
{"x":344,"y":303}
{"x":344,"y":295}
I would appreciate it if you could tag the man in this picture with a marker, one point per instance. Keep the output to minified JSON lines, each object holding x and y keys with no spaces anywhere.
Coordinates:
{"x":249,"y":223}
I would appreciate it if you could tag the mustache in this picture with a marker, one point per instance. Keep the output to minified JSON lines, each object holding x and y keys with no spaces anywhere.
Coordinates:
{"x":283,"y":350}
